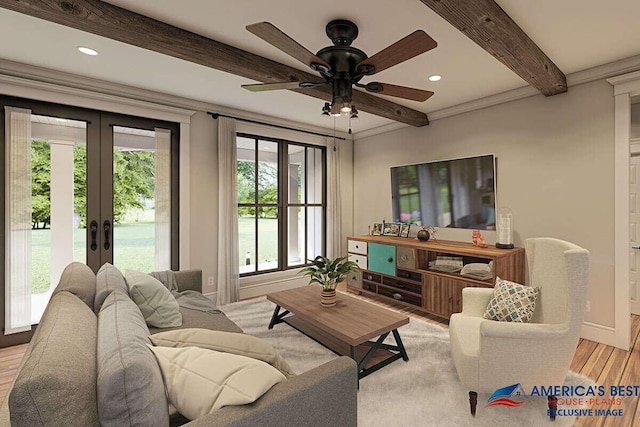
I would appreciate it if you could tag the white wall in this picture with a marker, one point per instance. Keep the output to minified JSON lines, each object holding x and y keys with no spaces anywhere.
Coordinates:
{"x":555,"y":170}
{"x":203,"y":206}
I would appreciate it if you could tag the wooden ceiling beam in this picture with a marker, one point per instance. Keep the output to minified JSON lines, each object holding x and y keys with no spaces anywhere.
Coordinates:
{"x":484,"y":22}
{"x":107,"y":20}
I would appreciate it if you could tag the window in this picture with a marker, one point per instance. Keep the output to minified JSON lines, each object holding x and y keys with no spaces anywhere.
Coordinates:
{"x":281,"y":203}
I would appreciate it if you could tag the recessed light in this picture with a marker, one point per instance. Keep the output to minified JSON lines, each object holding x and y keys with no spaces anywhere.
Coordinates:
{"x":435,"y":77}
{"x":88,"y":51}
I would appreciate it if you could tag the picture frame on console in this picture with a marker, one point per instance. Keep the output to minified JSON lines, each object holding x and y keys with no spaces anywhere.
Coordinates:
{"x":404,"y":230}
{"x":391,"y":229}
{"x":377,"y":230}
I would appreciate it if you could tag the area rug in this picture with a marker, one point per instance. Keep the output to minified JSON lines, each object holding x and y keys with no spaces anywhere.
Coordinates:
{"x":425,"y":391}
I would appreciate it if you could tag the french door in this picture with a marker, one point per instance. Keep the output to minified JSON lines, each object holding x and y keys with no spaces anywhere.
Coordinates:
{"x":102,"y":187}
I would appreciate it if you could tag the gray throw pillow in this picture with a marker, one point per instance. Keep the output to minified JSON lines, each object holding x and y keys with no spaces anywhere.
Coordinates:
{"x":158,"y":306}
{"x":108,"y":279}
{"x":78,"y":279}
{"x":130,"y":388}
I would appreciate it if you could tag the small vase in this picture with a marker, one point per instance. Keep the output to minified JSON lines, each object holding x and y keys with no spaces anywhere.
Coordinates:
{"x":328,"y":298}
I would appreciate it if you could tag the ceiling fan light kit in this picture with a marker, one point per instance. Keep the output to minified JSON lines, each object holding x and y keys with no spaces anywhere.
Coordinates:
{"x":342,"y":66}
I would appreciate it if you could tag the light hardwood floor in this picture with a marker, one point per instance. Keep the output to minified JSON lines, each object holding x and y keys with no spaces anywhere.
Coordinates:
{"x":604,"y":364}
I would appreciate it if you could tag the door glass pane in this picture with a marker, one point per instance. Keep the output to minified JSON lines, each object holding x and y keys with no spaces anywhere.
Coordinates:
{"x":296,"y":174}
{"x":296,"y":236}
{"x":134,"y":199}
{"x":59,"y":195}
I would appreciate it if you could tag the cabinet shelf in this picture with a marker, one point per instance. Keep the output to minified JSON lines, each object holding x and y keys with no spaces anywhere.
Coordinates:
{"x":404,"y":291}
{"x":398,"y":270}
{"x":489,"y":282}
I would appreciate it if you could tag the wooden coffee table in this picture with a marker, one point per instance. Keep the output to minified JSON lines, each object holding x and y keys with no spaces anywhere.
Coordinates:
{"x":352,"y":327}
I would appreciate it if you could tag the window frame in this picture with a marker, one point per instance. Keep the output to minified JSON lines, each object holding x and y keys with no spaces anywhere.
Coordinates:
{"x":283,"y":205}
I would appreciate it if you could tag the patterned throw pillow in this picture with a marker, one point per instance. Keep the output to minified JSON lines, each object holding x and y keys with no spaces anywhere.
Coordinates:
{"x":511,"y":302}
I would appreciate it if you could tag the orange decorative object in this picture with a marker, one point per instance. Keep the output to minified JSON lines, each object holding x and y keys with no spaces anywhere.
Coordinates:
{"x":478,"y":239}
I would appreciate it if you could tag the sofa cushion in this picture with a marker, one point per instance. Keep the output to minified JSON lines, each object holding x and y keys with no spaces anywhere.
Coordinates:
{"x":78,"y":279}
{"x":200,"y":319}
{"x":108,"y":279}
{"x":200,"y":381}
{"x":130,"y":388}
{"x":226,"y":342}
{"x":511,"y":302}
{"x":57,"y":382}
{"x":156,"y":303}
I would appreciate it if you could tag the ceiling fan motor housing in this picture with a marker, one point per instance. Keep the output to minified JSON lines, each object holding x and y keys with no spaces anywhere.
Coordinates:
{"x":342,"y":32}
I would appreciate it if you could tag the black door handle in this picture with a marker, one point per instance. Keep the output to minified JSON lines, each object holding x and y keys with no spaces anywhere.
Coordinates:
{"x":107,"y":231}
{"x":93,"y":227}
{"x":389,"y":259}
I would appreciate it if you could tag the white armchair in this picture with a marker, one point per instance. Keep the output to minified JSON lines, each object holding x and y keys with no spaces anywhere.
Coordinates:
{"x":489,"y":355}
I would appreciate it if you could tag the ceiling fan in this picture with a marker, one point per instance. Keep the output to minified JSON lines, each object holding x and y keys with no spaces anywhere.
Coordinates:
{"x":342,"y":66}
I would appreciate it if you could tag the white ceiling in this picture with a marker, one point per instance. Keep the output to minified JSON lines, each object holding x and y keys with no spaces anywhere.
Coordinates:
{"x":575,"y":34}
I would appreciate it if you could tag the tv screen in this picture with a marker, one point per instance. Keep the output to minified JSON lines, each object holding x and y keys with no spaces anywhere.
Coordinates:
{"x":457,"y":193}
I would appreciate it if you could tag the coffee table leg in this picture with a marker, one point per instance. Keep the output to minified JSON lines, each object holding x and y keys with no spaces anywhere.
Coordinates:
{"x":274,"y":318}
{"x":403,"y":352}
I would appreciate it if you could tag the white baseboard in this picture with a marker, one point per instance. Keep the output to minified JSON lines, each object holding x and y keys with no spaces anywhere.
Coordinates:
{"x":260,"y":289}
{"x":599,"y":333}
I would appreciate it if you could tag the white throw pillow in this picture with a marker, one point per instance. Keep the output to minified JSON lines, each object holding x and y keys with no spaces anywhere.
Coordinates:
{"x":200,"y":381}
{"x":158,"y":306}
{"x":226,"y":342}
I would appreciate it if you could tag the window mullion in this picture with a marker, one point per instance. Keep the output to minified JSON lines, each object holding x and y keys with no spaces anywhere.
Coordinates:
{"x":255,"y":205}
{"x":283,"y":197}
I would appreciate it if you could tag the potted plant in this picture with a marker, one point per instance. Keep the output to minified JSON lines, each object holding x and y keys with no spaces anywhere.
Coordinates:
{"x":328,"y":273}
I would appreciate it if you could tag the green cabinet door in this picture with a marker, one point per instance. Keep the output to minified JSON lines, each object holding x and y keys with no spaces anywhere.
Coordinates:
{"x":382,"y":259}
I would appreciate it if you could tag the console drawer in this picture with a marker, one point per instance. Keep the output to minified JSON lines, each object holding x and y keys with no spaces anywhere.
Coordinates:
{"x":361,"y":260}
{"x":357,"y":247}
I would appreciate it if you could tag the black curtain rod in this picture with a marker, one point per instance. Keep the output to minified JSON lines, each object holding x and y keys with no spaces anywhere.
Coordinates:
{"x":216,"y":115}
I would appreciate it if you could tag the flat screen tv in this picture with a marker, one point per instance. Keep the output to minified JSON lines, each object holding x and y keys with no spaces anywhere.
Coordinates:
{"x":458,"y":193}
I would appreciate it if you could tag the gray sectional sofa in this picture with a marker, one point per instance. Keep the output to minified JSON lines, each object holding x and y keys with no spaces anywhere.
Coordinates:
{"x":57,"y":382}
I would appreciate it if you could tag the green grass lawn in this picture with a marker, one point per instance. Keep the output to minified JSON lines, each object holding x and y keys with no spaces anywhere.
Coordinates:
{"x":133,"y":250}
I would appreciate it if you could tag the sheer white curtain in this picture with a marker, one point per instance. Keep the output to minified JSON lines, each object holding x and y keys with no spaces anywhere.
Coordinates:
{"x":18,"y":220}
{"x":334,"y":206}
{"x":228,"y":264}
{"x":163,"y":199}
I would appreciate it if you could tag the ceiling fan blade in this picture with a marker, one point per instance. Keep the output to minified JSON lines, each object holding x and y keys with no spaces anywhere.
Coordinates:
{"x":412,"y":45}
{"x":272,"y":35}
{"x":260,"y":87}
{"x":398,"y":91}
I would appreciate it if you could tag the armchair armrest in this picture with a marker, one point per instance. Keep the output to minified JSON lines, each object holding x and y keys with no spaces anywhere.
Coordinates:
{"x":299,"y":399}
{"x":475,"y":301}
{"x":526,"y":331}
